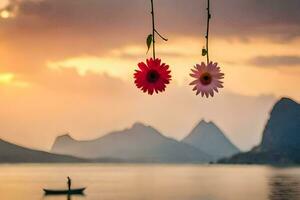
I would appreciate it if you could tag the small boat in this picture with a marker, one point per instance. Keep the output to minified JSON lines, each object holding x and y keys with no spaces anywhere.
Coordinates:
{"x":65,"y":192}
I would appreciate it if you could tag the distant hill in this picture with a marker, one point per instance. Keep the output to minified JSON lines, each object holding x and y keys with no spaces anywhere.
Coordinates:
{"x":11,"y":153}
{"x":207,"y":137}
{"x":281,"y":138}
{"x":139,"y":143}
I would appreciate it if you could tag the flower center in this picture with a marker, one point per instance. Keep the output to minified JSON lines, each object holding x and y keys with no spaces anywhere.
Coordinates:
{"x":206,"y":78}
{"x":152,"y":76}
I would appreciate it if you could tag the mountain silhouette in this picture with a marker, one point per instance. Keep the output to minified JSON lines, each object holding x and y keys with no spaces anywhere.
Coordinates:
{"x":281,"y":138}
{"x":207,"y":137}
{"x":140,"y":143}
{"x":282,"y":132}
{"x":11,"y":153}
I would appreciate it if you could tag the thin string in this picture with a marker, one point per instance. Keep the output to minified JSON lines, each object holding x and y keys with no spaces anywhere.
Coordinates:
{"x":207,"y":29}
{"x":153,"y":29}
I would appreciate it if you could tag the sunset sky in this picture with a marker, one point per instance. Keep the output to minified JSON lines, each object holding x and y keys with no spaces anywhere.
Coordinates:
{"x":67,"y":66}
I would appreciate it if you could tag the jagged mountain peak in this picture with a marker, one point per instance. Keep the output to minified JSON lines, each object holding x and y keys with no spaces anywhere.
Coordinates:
{"x":282,"y":129}
{"x":137,"y":130}
{"x":285,"y":104}
{"x":65,"y":137}
{"x":138,"y":125}
{"x":140,"y":143}
{"x":281,"y":137}
{"x":204,"y":122}
{"x":143,"y":129}
{"x":286,"y":100}
{"x":206,"y":128}
{"x":207,"y":137}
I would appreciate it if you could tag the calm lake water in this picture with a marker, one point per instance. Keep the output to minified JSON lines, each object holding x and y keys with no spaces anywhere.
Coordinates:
{"x":153,"y":182}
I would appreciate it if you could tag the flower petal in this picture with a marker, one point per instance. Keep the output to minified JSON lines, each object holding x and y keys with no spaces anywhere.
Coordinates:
{"x":153,"y":76}
{"x":207,"y":89}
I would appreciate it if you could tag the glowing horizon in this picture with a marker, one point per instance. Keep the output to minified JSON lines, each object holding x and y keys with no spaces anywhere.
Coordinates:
{"x":67,"y":66}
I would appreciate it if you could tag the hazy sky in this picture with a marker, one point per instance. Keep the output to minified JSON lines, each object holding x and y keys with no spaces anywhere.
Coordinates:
{"x":67,"y":65}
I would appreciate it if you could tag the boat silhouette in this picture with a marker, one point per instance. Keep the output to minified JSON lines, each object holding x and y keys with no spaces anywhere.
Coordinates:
{"x":77,"y":191}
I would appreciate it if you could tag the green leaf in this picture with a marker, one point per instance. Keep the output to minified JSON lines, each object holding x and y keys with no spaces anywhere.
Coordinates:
{"x":204,"y":52}
{"x":149,"y":41}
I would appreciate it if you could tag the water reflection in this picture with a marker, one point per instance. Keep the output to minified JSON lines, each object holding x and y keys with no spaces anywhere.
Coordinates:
{"x":152,"y":182}
{"x":284,"y":187}
{"x":69,"y":197}
{"x":62,"y":197}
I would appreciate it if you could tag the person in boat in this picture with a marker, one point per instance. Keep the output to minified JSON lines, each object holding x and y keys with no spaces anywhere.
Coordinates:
{"x":69,"y":183}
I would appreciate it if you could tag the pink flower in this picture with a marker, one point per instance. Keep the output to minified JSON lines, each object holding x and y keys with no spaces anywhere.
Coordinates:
{"x":153,"y":76}
{"x":207,"y":79}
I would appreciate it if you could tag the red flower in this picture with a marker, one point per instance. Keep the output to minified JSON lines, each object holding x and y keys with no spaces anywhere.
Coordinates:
{"x":152,"y":76}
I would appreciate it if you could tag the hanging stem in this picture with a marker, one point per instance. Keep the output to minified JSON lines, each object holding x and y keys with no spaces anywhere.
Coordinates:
{"x":207,"y":29}
{"x":153,"y":29}
{"x":162,"y":37}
